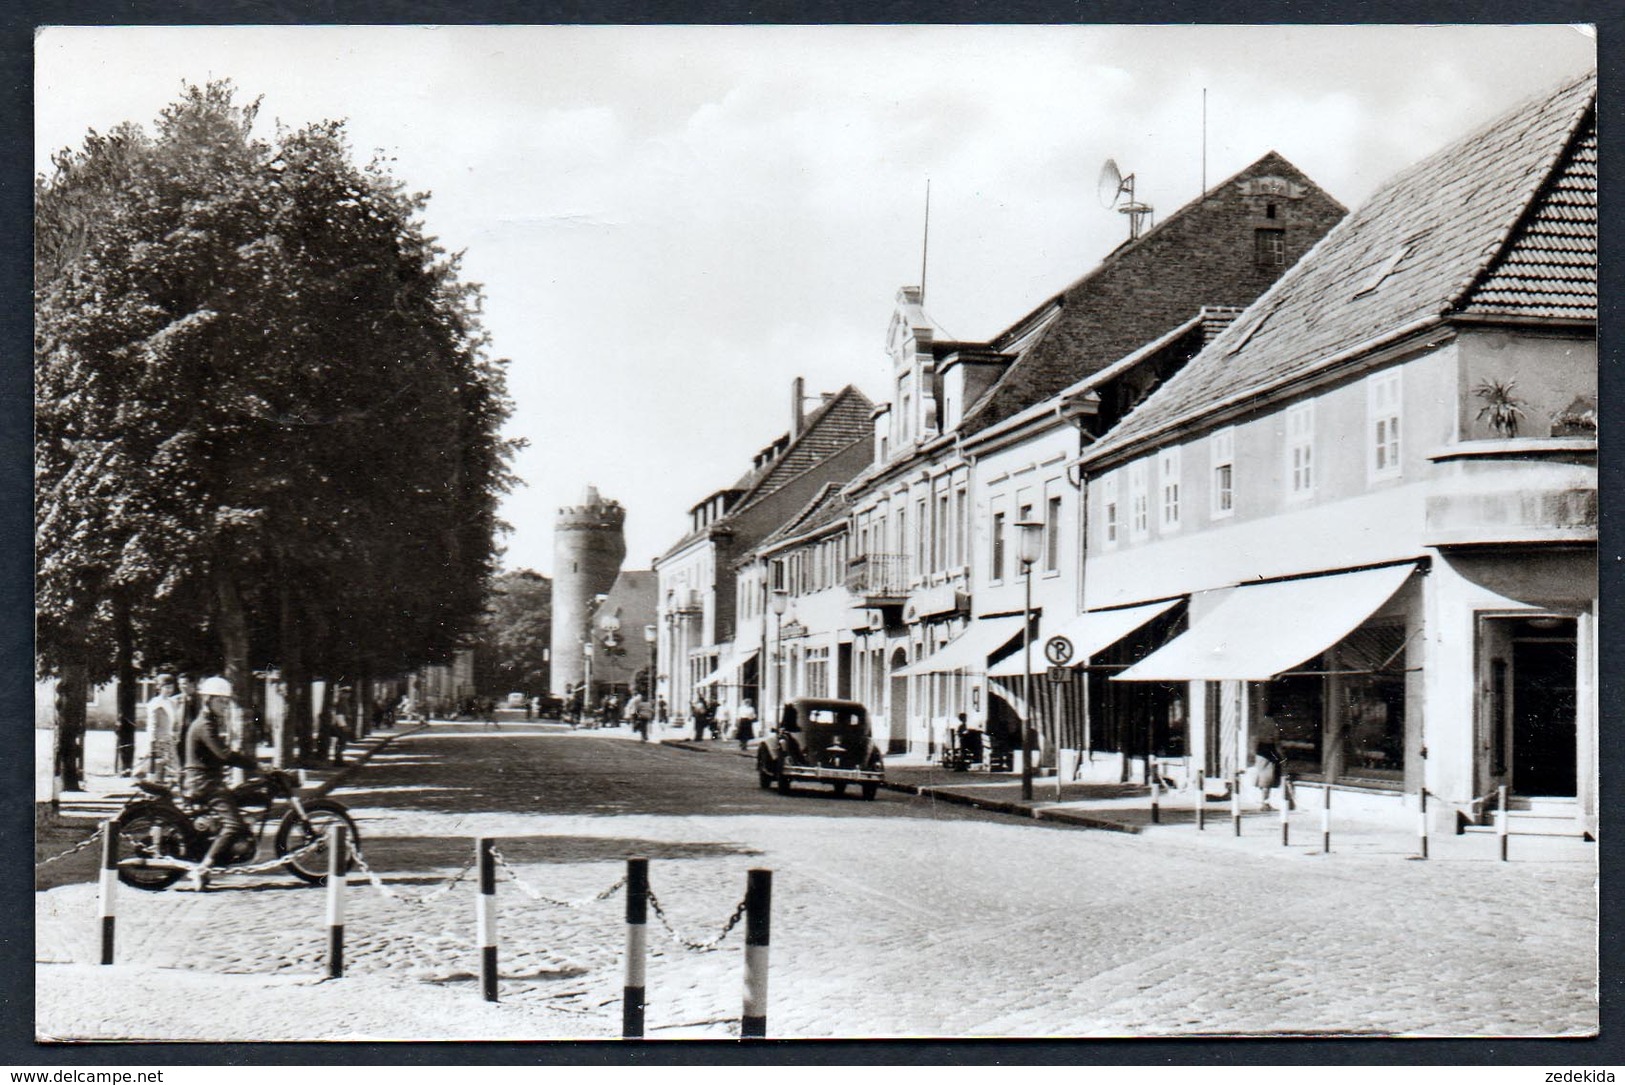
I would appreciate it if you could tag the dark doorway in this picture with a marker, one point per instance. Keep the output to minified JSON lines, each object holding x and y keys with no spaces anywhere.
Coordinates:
{"x":843,"y":671}
{"x":1544,"y":663}
{"x":898,"y":740}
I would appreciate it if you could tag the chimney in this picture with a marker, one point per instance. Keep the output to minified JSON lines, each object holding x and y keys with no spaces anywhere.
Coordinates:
{"x":797,"y":419}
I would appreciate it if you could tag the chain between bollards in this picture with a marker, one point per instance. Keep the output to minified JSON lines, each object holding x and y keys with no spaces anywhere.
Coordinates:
{"x":758,"y":910}
{"x":109,"y":889}
{"x":486,"y":916}
{"x":637,"y":947}
{"x":337,"y":865}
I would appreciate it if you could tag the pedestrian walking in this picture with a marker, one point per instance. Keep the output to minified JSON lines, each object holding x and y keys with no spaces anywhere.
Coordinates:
{"x":641,"y":713}
{"x":722,"y":722}
{"x":1267,"y":757}
{"x":745,"y":723}
{"x":697,"y":710}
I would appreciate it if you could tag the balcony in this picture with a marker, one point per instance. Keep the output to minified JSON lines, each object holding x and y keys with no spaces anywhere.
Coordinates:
{"x":1514,"y":491}
{"x":878,"y":580}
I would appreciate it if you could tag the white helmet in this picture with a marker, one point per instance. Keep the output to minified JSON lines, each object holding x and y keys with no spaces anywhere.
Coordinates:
{"x":214,"y":687}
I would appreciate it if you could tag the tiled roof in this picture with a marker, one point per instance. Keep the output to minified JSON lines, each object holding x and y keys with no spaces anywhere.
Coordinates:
{"x":1502,"y":221}
{"x":1141,"y":290}
{"x":827,"y":506}
{"x":834,"y":426}
{"x":1550,"y":268}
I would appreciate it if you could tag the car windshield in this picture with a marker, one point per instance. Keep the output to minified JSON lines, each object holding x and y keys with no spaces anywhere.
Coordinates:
{"x":835,"y":717}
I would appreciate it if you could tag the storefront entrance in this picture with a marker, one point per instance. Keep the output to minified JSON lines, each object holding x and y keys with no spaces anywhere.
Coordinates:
{"x":897,"y":742}
{"x":1544,"y":667}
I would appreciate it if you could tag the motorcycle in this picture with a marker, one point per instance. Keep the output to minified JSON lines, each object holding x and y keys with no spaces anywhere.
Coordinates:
{"x":165,"y":825}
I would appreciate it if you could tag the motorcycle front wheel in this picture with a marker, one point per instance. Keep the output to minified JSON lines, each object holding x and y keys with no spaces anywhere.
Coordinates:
{"x":151,"y":830}
{"x":295,"y":834}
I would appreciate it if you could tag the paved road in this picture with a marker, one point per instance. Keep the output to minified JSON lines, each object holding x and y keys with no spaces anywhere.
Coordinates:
{"x":897,"y":917}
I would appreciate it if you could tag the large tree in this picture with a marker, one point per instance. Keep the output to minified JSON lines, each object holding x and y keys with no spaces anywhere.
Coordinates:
{"x":267,"y":420}
{"x":511,"y":652}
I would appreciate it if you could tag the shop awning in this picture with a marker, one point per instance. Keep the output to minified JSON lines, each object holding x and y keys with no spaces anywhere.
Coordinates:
{"x":969,"y":650}
{"x":726,"y":670}
{"x":1089,"y":633}
{"x":1261,"y":630}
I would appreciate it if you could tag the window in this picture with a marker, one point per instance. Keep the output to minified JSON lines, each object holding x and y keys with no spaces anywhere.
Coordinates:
{"x":1108,"y":509}
{"x":1168,"y":475}
{"x":1052,"y":536}
{"x":1300,"y":449}
{"x":997,"y":569}
{"x":940,"y":533}
{"x":922,"y":539}
{"x":1222,"y":453}
{"x":961,"y":523}
{"x":1139,"y":524}
{"x":1269,"y":247}
{"x":1383,"y":411}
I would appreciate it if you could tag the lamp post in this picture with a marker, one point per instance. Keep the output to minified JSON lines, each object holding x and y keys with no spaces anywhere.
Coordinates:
{"x":1029,"y":535}
{"x":586,"y":682}
{"x":781,"y":600}
{"x":650,"y":632}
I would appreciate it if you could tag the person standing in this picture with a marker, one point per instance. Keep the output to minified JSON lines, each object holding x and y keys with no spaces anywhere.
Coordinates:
{"x":163,"y":719}
{"x":745,"y":722}
{"x":642,"y":712}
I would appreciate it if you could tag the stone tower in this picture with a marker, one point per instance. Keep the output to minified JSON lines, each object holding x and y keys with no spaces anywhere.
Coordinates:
{"x":588,"y":547}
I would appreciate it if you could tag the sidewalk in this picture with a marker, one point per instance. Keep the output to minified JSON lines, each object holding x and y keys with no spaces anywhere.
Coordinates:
{"x":1126,"y":808}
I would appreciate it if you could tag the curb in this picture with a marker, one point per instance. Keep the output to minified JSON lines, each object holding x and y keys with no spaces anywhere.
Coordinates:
{"x":1014,"y":808}
{"x":343,"y":775}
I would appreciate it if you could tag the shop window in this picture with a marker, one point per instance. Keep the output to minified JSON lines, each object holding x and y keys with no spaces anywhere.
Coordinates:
{"x":1372,"y":665}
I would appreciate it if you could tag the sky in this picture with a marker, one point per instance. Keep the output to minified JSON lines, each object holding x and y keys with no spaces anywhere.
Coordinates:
{"x":672,"y":223}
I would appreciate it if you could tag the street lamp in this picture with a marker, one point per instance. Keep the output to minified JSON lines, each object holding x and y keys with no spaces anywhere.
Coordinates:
{"x":781,"y":600}
{"x":1029,"y":535}
{"x":586,"y":682}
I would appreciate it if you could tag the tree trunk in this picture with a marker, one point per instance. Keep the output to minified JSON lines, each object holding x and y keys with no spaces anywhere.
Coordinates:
{"x":234,"y":649}
{"x":71,"y":689}
{"x":292,"y":738}
{"x":124,"y":673}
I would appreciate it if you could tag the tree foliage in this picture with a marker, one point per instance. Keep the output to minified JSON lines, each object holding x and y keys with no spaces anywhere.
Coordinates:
{"x":265,"y":404}
{"x":511,"y":651}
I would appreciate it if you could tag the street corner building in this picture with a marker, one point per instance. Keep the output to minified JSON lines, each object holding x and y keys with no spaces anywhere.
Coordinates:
{"x":1363,"y":519}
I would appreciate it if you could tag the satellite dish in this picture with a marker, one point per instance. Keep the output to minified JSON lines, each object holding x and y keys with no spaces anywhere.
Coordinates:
{"x":1110,"y":184}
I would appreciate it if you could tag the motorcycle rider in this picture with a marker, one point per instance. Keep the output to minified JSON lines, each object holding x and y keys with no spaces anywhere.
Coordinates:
{"x":205,"y":756}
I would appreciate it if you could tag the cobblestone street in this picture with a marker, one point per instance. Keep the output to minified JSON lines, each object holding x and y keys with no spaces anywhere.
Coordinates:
{"x":901,"y":917}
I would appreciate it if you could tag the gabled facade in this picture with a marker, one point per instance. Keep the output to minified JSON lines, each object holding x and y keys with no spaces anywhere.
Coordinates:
{"x":698,"y":604}
{"x":926,"y":613}
{"x":1373,"y":498}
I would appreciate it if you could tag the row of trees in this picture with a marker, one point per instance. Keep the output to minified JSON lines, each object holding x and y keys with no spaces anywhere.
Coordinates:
{"x":267,"y":421}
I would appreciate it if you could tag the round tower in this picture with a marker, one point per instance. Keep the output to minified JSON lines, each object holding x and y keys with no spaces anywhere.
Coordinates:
{"x":589,"y":545}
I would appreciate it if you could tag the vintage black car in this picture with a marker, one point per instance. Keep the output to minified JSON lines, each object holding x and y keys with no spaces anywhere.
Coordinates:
{"x":822,"y":742}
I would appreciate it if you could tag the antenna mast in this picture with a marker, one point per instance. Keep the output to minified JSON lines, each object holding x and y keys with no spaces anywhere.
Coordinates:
{"x":1204,"y":141}
{"x":925,"y":242}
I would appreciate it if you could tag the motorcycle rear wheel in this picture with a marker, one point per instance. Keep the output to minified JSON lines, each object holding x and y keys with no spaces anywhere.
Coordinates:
{"x":153,"y":830}
{"x":292,"y":835}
